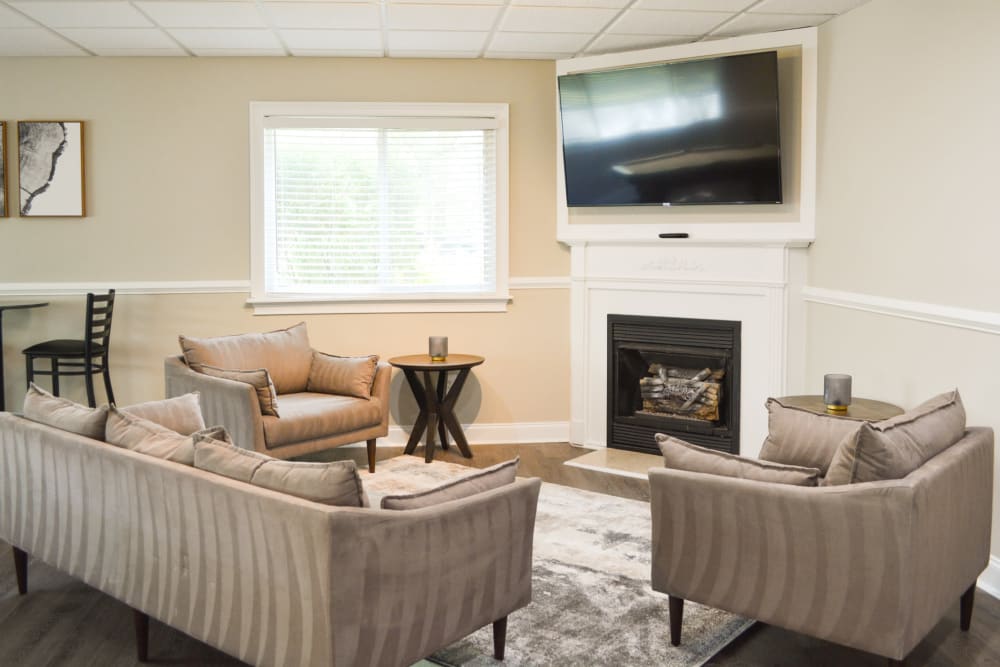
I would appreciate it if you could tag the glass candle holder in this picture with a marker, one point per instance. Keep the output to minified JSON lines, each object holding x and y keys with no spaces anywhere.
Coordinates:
{"x":438,"y":348}
{"x":837,"y":392}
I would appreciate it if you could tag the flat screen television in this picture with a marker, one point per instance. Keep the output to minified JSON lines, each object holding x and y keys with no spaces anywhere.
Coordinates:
{"x":692,"y":132}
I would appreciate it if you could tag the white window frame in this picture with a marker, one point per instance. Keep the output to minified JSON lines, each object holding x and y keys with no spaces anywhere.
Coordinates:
{"x":269,"y":304}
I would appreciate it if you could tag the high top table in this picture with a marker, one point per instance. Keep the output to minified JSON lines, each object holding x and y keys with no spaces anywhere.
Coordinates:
{"x":436,"y":407}
{"x":3,"y":307}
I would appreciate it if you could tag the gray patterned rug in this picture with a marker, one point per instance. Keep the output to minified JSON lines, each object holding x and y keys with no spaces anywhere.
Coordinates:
{"x":592,"y":600}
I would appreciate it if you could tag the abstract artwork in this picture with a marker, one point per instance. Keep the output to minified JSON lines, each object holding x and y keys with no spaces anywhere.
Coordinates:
{"x":3,"y":169}
{"x":50,"y":176}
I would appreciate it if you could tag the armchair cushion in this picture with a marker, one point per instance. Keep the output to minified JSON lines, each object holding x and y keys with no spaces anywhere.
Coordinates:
{"x":62,"y":413}
{"x":681,"y":455}
{"x":483,"y":480}
{"x":346,"y":376}
{"x":181,"y":414}
{"x":802,"y":438}
{"x":284,"y":353}
{"x":308,"y":416}
{"x":894,"y":448}
{"x":258,"y":378}
{"x":148,"y":437}
{"x":335,"y":483}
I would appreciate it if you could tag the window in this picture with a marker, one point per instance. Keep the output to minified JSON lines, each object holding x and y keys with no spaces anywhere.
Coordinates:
{"x":378,"y":207}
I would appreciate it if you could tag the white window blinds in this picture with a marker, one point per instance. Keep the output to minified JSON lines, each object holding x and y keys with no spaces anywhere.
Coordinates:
{"x":380,"y":207}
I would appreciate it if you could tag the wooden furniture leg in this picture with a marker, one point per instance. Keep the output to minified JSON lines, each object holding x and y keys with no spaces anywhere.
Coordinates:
{"x":968,"y":599}
{"x":432,"y":415}
{"x":499,"y":637}
{"x":21,"y":570}
{"x":141,"y":635}
{"x":421,"y":423}
{"x":442,"y":383}
{"x":448,"y":414}
{"x":371,"y":455}
{"x":676,"y":616}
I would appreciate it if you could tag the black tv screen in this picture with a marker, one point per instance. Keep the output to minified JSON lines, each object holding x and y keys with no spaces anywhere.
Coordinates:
{"x":693,"y":132}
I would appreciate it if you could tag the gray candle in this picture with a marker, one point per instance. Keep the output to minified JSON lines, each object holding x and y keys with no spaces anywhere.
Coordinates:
{"x":438,"y":347}
{"x":837,"y":391}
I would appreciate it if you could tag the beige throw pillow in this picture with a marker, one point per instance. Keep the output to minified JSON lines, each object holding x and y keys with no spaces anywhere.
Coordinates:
{"x":799,"y":437}
{"x":344,"y":376}
{"x":148,"y":437}
{"x":259,"y":379}
{"x":894,"y":448}
{"x":335,"y":483}
{"x":681,"y":455}
{"x":41,"y":406}
{"x":181,"y":414}
{"x":484,"y":480}
{"x":284,"y":353}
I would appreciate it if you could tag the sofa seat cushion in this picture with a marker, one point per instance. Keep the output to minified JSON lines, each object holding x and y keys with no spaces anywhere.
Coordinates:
{"x":308,"y":416}
{"x":284,"y":353}
{"x":681,"y":455}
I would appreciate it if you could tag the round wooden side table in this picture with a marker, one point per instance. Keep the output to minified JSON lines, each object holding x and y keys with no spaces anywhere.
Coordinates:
{"x":860,"y":408}
{"x":436,"y":406}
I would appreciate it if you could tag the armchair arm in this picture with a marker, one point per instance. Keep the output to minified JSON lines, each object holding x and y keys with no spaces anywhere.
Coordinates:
{"x":380,"y":391}
{"x":227,"y":402}
{"x":414,"y":581}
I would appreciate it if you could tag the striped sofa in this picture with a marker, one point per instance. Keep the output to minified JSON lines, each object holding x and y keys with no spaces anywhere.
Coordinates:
{"x":266,"y":577}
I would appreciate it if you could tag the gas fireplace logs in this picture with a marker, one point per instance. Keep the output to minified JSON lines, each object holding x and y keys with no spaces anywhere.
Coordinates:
{"x":688,"y":393}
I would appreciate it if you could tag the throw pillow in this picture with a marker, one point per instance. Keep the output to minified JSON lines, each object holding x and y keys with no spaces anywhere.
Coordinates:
{"x":484,"y":480}
{"x":681,"y":455}
{"x":284,"y":353}
{"x":148,"y":437}
{"x":802,"y":438}
{"x":259,"y":379}
{"x":344,"y":376}
{"x":894,"y":448}
{"x":62,"y":413}
{"x":335,"y":483}
{"x":181,"y":414}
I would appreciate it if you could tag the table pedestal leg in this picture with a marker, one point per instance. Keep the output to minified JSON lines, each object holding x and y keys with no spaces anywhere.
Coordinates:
{"x":442,"y":429}
{"x":448,"y":414}
{"x":418,"y":426}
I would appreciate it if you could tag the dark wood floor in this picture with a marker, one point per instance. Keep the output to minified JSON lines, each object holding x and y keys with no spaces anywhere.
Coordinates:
{"x":62,"y":622}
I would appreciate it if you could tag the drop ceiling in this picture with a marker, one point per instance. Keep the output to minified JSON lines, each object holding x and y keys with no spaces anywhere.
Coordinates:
{"x":543,"y":29}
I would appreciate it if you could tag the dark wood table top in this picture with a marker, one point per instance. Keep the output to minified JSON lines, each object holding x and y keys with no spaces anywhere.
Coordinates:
{"x":860,"y":408}
{"x":423,"y":362}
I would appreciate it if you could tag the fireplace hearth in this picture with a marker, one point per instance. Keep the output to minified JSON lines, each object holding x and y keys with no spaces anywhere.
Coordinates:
{"x":673,"y":375}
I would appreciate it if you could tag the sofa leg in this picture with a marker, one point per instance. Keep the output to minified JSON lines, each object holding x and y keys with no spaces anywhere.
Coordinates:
{"x":141,"y":635}
{"x":676,"y":616}
{"x":968,"y":598}
{"x":371,"y":455}
{"x":499,"y":637}
{"x":21,"y":570}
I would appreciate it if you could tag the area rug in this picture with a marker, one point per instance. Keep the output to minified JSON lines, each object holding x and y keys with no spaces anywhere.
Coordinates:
{"x":592,"y":601}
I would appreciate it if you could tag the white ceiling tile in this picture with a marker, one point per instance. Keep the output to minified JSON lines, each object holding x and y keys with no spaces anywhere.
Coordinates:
{"x":434,"y":54}
{"x":556,"y":19}
{"x":97,"y":39}
{"x":647,"y":21}
{"x":201,"y":38}
{"x":539,"y":42}
{"x":161,"y":53}
{"x":443,"y":41}
{"x":334,"y":15}
{"x":84,"y":14}
{"x":332,"y":40}
{"x":528,"y":56}
{"x":746,"y":24}
{"x":35,"y":42}
{"x":615,"y":43}
{"x":442,"y":17}
{"x":447,"y":2}
{"x":808,"y":6}
{"x":238,"y":53}
{"x":11,"y":19}
{"x":615,"y":4}
{"x":322,"y":53}
{"x":187,"y":14}
{"x":697,"y":5}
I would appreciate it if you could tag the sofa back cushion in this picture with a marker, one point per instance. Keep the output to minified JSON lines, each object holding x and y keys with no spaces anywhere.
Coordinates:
{"x":284,"y":353}
{"x":483,"y":480}
{"x":681,"y":455}
{"x":181,"y":414}
{"x":894,"y":448}
{"x":61,"y":413}
{"x":799,"y":437}
{"x":345,"y":376}
{"x":147,"y":437}
{"x":334,"y":483}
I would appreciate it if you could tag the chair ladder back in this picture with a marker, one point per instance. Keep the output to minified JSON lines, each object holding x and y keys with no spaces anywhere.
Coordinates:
{"x":98,"y":325}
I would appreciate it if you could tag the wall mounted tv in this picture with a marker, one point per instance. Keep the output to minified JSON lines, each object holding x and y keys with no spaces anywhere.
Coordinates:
{"x":691,"y":132}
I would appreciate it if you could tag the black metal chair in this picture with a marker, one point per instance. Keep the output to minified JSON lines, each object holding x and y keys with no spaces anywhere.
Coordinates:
{"x":86,"y":357}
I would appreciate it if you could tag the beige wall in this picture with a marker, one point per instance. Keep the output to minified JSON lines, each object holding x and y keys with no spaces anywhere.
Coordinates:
{"x":168,"y":200}
{"x":909,"y":103}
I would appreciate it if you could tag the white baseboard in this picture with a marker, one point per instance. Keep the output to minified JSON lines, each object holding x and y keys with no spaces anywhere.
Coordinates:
{"x":491,"y":434}
{"x":989,"y":581}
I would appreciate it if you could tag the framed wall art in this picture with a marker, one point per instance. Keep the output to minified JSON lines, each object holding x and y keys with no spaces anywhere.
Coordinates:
{"x":50,"y":168}
{"x":3,"y":170}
